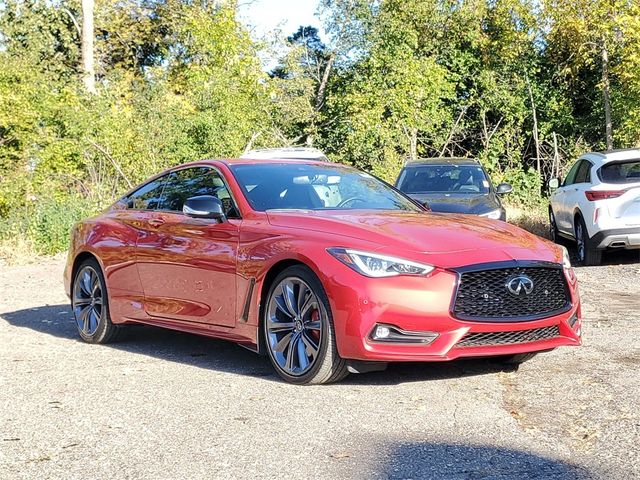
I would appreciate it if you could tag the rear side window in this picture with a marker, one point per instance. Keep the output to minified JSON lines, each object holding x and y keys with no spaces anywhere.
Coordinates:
{"x":147,"y":197}
{"x":621,"y":172}
{"x":571,"y":176}
{"x":583,"y":175}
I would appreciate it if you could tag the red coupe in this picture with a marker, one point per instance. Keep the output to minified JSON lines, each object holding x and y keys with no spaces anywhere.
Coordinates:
{"x":324,"y":268}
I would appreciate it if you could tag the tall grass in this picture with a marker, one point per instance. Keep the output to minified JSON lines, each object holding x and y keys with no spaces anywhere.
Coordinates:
{"x":41,"y":227}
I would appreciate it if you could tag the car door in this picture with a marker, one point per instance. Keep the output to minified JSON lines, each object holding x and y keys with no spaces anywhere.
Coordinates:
{"x":187,"y":265}
{"x":559,"y":203}
{"x":574,"y":194}
{"x":126,"y":219}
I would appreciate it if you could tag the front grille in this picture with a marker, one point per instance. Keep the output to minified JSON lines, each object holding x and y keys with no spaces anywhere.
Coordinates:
{"x":483,"y":295}
{"x":485,"y":339}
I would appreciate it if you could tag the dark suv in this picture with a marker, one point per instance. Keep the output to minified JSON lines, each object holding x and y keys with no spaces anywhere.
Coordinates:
{"x":453,"y":185}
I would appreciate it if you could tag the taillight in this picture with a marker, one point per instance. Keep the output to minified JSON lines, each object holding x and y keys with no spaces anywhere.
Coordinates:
{"x":593,"y":195}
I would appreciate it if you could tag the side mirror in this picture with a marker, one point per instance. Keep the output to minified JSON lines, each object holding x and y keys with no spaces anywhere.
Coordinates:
{"x":554,"y":183}
{"x":504,"y":188}
{"x":204,"y":206}
{"x":427,"y":207}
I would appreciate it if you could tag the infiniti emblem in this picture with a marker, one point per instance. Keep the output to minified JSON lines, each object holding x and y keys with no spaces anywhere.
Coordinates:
{"x":519,"y":285}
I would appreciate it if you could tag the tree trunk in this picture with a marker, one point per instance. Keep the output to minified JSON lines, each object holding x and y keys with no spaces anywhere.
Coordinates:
{"x":322,"y":88}
{"x":555,"y":166}
{"x":535,"y":126}
{"x":89,"y":75}
{"x":606,"y":95}
{"x":413,"y":144}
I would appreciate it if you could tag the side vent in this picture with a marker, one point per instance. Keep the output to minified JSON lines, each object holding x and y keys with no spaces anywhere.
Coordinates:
{"x":247,"y":302}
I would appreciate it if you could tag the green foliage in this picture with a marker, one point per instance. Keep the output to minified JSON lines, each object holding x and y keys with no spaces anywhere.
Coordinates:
{"x":179,"y":80}
{"x":46,"y":222}
{"x":525,"y":184}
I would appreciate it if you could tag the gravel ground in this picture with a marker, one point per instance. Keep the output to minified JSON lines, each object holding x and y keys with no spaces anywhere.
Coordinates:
{"x":165,"y":405}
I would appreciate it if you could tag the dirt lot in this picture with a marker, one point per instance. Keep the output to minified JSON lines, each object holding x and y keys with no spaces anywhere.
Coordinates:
{"x":166,"y":405}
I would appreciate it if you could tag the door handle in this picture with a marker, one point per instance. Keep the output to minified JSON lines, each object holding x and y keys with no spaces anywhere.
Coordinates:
{"x":156,"y":222}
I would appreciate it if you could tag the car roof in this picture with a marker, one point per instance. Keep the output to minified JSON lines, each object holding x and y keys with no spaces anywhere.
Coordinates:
{"x":255,"y":161}
{"x":301,"y":153}
{"x":442,"y":161}
{"x":600,"y":158}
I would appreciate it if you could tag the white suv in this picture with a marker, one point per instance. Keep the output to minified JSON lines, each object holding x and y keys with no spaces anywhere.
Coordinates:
{"x":290,"y":153}
{"x":598,"y":203}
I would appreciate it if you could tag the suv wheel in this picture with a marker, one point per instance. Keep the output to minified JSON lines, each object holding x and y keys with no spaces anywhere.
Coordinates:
{"x":588,"y":254}
{"x":553,"y":227}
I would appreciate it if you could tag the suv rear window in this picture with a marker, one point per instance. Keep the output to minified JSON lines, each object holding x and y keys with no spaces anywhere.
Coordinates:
{"x":620,"y":172}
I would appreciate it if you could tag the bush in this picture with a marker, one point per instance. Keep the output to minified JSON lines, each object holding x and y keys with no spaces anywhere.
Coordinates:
{"x":45,"y":223}
{"x":526,"y":187}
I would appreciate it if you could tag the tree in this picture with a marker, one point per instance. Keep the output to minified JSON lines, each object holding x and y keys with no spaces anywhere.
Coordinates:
{"x":89,"y":74}
{"x":584,"y":36}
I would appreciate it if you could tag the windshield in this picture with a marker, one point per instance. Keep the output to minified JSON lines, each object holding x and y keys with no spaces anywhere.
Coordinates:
{"x":621,"y":172}
{"x":444,"y":179}
{"x":316,"y":187}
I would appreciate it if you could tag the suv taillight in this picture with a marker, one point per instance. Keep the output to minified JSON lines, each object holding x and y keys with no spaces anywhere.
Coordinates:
{"x":593,"y":195}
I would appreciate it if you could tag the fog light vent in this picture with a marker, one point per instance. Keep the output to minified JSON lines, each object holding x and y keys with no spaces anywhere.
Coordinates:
{"x":391,"y":334}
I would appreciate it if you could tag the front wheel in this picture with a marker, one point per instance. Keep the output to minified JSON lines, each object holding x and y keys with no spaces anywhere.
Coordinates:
{"x":298,"y":329}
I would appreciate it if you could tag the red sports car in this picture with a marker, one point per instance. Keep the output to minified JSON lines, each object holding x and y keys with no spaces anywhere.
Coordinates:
{"x":324,"y":268}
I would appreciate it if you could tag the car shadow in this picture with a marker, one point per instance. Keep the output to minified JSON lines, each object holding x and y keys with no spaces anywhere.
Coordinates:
{"x":463,"y":461}
{"x":208,"y":353}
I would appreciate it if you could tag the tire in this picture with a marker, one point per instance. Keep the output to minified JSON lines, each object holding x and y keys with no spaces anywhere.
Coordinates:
{"x":554,"y":234}
{"x":90,"y":304}
{"x":298,"y":329}
{"x":518,"y":358}
{"x":588,"y":254}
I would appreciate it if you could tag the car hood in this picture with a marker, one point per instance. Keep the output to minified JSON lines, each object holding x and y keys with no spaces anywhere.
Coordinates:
{"x":458,"y":203}
{"x":441,"y":239}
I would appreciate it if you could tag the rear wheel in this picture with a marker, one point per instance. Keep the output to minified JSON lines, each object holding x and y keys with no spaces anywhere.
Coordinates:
{"x":298,"y":329}
{"x":588,"y":254}
{"x":553,"y":227}
{"x":90,"y":303}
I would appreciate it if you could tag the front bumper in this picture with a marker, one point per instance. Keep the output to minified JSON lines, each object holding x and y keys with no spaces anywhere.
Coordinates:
{"x":422,"y":304}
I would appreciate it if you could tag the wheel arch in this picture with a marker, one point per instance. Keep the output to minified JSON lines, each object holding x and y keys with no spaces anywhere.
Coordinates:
{"x":577,"y":215}
{"x":77,"y":261}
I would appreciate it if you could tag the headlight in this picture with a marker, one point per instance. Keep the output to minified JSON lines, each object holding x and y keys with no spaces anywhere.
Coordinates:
{"x":566,"y":261}
{"x":374,"y":265}
{"x":493,"y":214}
{"x":566,"y":265}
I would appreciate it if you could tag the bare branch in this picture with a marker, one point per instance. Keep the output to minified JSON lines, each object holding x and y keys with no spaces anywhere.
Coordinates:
{"x":115,"y":164}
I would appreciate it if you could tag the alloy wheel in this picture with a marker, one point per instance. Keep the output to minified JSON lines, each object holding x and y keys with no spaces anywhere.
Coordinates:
{"x":88,"y":300}
{"x":295,"y":319}
{"x":580,"y":241}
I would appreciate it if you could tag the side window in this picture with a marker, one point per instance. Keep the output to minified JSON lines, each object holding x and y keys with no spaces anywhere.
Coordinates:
{"x":192,"y":182}
{"x":570,"y":178}
{"x":147,"y":197}
{"x":185,"y":183}
{"x":583,"y":174}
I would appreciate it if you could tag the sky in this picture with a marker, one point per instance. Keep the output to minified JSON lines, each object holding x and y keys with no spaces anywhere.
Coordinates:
{"x":266,"y":16}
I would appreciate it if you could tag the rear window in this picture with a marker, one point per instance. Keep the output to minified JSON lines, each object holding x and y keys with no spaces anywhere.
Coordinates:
{"x":621,"y":172}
